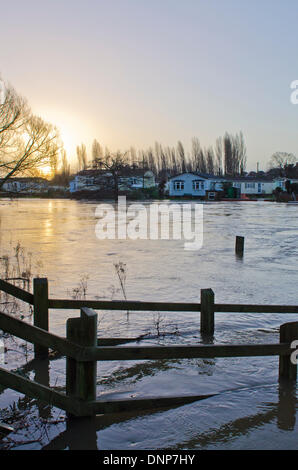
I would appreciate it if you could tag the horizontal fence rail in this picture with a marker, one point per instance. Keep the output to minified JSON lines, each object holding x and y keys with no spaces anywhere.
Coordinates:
{"x":124,"y":305}
{"x":36,"y":335}
{"x":247,"y":308}
{"x":83,"y":349}
{"x":136,"y":305}
{"x":37,"y":390}
{"x":16,"y":292}
{"x":132,"y":353}
{"x":167,"y":307}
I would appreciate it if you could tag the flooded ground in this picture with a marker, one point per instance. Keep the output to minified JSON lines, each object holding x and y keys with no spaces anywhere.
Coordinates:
{"x":250,"y":410}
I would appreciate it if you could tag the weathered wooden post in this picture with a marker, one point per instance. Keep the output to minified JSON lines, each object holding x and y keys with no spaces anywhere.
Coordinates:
{"x":207,"y":312}
{"x":41,"y":311}
{"x":286,"y":407}
{"x":81,"y":376}
{"x":239,"y":246}
{"x":42,"y":376}
{"x":287,"y":368}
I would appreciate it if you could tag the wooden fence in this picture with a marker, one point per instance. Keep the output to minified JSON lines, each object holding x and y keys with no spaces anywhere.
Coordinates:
{"x":83,"y":349}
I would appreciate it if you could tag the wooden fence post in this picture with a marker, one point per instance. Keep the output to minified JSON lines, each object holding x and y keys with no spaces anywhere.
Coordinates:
{"x":207,"y":312}
{"x":239,"y":246}
{"x":288,"y":369}
{"x":41,"y":311}
{"x":81,"y":376}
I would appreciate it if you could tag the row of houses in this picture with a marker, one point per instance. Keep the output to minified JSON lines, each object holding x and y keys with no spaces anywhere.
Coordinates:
{"x":25,"y":185}
{"x":29,"y":185}
{"x":185,"y":184}
{"x":201,"y":185}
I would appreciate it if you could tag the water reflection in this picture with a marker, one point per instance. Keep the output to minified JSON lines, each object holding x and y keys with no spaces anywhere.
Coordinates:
{"x":85,"y":433}
{"x":47,"y":228}
{"x":283,"y":413}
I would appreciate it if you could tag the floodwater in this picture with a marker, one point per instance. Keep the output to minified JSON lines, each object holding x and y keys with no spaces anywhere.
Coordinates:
{"x":250,"y":410}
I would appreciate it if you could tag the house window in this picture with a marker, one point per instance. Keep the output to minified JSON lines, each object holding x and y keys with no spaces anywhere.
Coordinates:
{"x":249,"y":185}
{"x":89,"y":181}
{"x":178,"y":185}
{"x":197,"y":185}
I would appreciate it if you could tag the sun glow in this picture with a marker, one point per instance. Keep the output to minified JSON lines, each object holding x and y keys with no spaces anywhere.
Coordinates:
{"x":69,"y":128}
{"x":73,"y":130}
{"x":68,"y":139}
{"x":45,"y":171}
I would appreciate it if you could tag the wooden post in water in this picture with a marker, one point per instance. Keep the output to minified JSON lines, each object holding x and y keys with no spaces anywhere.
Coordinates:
{"x":288,"y":369}
{"x":41,"y":311}
{"x":207,"y":312}
{"x":81,"y":376}
{"x":239,"y":246}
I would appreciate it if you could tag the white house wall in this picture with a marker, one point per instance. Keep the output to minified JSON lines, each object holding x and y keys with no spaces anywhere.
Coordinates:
{"x":256,"y":187}
{"x":188,"y":189}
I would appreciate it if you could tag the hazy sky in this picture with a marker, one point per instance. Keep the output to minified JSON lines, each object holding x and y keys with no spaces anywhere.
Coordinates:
{"x":132,"y":72}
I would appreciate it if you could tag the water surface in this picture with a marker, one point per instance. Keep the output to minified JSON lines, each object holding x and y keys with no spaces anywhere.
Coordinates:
{"x":250,"y":410}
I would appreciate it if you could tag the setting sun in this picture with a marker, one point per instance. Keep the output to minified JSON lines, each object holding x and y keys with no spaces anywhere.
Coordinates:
{"x":46,"y":171}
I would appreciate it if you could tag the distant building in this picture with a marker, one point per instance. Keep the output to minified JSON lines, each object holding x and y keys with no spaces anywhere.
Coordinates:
{"x":194,"y":184}
{"x":25,"y":185}
{"x":200,"y":184}
{"x":252,"y":185}
{"x":100,"y":180}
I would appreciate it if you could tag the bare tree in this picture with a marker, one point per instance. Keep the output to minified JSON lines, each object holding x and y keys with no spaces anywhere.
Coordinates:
{"x":14,"y":112}
{"x":234,"y":153}
{"x":241,"y":152}
{"x":97,"y":153}
{"x":36,"y":145}
{"x":228,"y":154}
{"x":62,"y":176}
{"x":196,"y":154}
{"x":219,"y":154}
{"x":114,"y":163}
{"x":27,"y":142}
{"x":132,"y":157}
{"x":210,"y":160}
{"x":281,"y":159}
{"x":65,"y":167}
{"x":82,"y":157}
{"x":181,"y":156}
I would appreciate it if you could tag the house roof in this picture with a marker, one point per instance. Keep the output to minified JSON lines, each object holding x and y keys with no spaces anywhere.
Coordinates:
{"x":222,"y":178}
{"x":126,"y":171}
{"x":201,"y":175}
{"x":247,"y":179}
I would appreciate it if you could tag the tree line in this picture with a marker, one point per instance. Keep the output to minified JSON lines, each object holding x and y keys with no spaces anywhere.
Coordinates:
{"x":28,"y":144}
{"x":228,"y":156}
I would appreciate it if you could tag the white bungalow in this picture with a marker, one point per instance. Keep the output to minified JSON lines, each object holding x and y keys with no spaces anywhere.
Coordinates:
{"x":194,"y":184}
{"x":199,"y":184}
{"x":252,"y":185}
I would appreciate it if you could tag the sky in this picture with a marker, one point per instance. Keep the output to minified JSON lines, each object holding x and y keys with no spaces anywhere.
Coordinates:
{"x":133,"y":72}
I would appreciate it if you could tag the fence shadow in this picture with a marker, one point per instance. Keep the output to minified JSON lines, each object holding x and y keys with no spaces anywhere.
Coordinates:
{"x":84,"y":433}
